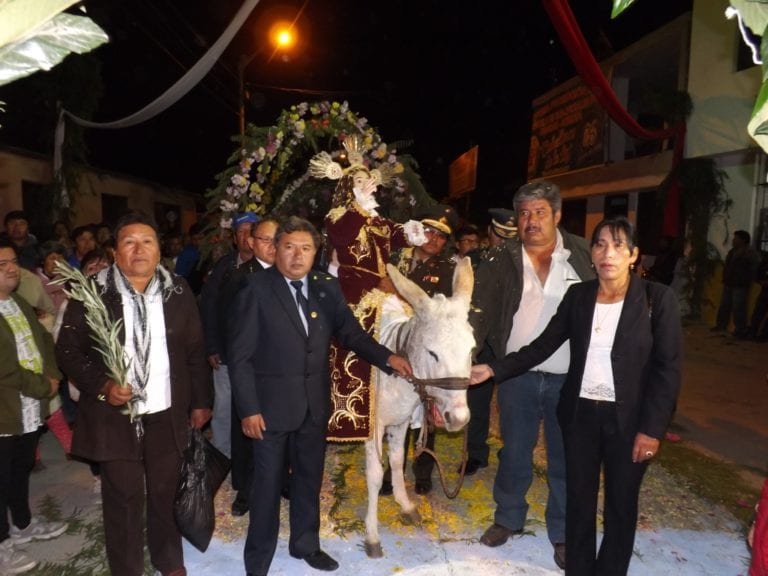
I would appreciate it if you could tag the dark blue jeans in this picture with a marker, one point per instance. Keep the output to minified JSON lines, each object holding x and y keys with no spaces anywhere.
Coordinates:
{"x":524,"y":402}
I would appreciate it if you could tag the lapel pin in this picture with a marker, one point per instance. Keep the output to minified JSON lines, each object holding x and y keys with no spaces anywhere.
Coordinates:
{"x":313,"y":314}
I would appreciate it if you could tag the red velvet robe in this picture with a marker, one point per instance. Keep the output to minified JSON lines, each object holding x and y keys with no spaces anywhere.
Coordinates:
{"x":363,"y":244}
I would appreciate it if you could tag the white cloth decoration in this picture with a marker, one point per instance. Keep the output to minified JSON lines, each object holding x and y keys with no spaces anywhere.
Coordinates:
{"x":414,"y":232}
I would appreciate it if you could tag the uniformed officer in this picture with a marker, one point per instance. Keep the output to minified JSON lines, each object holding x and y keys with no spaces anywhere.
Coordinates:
{"x":429,"y":267}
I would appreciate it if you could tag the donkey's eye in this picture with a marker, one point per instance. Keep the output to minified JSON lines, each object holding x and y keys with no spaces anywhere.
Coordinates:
{"x":433,"y":355}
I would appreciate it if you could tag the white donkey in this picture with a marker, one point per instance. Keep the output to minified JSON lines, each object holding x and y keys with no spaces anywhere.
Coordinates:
{"x":438,"y":341}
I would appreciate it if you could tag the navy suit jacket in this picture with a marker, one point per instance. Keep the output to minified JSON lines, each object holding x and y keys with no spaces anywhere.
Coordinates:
{"x":275,"y":368}
{"x":646,"y":356}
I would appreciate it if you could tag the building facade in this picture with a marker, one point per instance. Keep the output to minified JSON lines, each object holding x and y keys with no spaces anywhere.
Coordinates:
{"x":602,"y":171}
{"x":26,"y":184}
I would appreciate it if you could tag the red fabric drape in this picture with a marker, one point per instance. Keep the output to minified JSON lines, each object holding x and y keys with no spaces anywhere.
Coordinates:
{"x":759,"y":565}
{"x":587,"y":67}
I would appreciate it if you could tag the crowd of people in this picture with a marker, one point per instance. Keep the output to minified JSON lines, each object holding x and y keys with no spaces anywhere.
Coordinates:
{"x":250,"y":348}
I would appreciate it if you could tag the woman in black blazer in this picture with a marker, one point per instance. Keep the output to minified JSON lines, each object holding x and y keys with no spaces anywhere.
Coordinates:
{"x":618,"y":398}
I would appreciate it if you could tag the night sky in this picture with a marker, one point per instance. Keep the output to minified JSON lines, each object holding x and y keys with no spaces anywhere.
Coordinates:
{"x":446,"y":74}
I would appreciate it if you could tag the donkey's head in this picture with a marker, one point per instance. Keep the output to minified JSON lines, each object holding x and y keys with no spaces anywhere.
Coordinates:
{"x":440,"y":339}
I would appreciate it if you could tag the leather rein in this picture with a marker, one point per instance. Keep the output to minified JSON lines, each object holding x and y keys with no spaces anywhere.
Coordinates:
{"x":428,"y":401}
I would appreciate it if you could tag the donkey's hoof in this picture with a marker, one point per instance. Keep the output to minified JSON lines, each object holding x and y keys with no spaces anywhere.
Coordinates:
{"x":411,"y":517}
{"x":373,"y":550}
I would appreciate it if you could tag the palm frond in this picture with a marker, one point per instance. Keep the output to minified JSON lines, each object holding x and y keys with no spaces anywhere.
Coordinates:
{"x":105,"y":331}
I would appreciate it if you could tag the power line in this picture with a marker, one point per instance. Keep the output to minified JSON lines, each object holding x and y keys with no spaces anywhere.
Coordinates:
{"x":182,"y":66}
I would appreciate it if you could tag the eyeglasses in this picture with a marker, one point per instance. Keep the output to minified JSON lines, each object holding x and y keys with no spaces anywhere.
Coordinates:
{"x":433,"y":232}
{"x":265,"y":239}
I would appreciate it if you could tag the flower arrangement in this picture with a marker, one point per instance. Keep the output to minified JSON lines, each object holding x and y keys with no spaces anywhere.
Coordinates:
{"x":269,"y":173}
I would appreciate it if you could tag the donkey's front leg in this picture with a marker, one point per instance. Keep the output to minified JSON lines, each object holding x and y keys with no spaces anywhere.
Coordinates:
{"x":396,"y":448}
{"x":374,"y":473}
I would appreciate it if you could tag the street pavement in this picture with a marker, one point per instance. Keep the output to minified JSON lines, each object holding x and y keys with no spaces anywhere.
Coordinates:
{"x":721,"y":411}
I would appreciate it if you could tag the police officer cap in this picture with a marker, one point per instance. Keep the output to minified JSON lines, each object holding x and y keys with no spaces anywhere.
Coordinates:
{"x":439,"y":217}
{"x":503,"y":222}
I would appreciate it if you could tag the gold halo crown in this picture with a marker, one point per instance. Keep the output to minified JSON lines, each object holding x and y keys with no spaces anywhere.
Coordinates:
{"x":322,"y":164}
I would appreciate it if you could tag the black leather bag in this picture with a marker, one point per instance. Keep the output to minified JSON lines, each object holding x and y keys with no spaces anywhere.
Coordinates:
{"x":202,"y":472}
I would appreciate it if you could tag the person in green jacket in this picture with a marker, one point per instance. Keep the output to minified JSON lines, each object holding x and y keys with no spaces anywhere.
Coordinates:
{"x":28,"y":377}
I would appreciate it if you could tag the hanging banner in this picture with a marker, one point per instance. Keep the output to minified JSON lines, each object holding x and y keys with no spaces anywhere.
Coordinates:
{"x":462,"y":174}
{"x":567,"y":133}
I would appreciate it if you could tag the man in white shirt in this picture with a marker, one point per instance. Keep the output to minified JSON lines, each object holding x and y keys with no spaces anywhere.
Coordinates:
{"x":516,"y":294}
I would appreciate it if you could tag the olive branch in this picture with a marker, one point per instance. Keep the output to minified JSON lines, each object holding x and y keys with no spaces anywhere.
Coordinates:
{"x":105,"y":331}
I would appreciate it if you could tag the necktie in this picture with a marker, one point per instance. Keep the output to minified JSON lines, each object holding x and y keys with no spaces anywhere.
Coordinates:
{"x":301,"y":300}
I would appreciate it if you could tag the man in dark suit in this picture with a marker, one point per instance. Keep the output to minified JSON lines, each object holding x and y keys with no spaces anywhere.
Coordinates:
{"x":282,"y":324}
{"x":262,"y":244}
{"x":213,"y":312}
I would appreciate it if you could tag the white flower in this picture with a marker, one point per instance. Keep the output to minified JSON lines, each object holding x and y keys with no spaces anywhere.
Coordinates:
{"x":225,"y":222}
{"x":227,"y":206}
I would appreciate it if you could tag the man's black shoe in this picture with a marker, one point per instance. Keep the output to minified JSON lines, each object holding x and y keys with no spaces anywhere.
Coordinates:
{"x":386,"y":488}
{"x":319,"y":560}
{"x":423,"y":486}
{"x":240,"y":505}
{"x":473,"y":466}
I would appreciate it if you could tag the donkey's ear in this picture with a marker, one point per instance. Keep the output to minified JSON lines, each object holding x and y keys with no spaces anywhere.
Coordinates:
{"x":408,"y":289}
{"x":463,"y":280}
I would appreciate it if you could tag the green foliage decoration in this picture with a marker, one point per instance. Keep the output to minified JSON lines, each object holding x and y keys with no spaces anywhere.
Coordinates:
{"x":619,"y":6}
{"x":268,"y":173}
{"x":754,"y":15}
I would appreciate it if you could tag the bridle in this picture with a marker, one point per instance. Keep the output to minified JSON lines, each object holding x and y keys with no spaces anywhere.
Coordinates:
{"x":428,"y":401}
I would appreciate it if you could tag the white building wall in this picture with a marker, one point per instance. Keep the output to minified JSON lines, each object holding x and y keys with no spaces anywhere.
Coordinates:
{"x":722,"y":97}
{"x":740,"y":183}
{"x":15,"y":168}
{"x":722,"y":104}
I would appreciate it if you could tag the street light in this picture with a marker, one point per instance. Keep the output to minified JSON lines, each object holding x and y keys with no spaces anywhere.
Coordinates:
{"x":282,"y":36}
